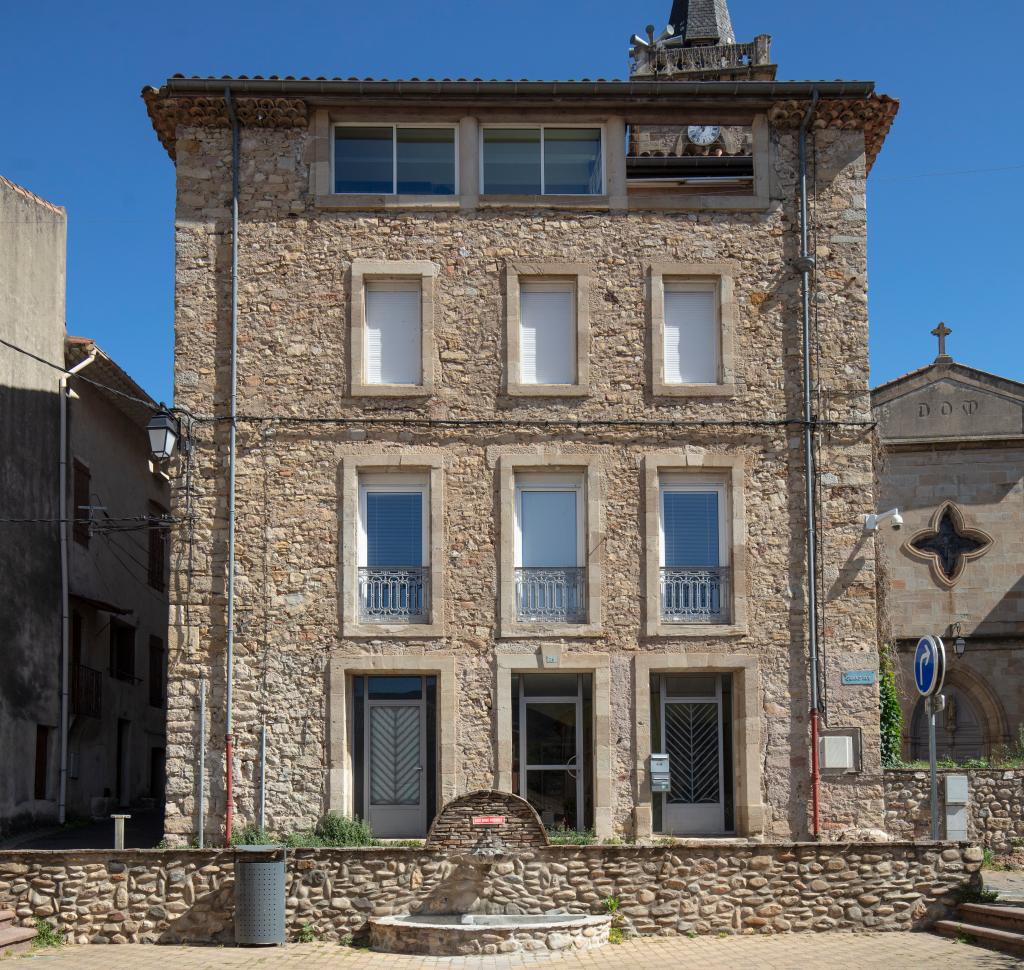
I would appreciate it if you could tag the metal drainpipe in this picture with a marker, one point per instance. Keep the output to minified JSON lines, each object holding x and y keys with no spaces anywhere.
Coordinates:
{"x":65,"y":606}
{"x":806,"y":266}
{"x":229,"y":737}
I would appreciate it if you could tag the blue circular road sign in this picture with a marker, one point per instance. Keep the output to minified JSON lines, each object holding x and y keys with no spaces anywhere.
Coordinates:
{"x":929,"y":665}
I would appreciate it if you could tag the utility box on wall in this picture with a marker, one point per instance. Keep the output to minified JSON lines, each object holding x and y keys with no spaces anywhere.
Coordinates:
{"x":957,"y":797}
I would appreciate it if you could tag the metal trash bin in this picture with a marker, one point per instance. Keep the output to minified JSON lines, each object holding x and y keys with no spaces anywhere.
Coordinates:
{"x":259,"y":895}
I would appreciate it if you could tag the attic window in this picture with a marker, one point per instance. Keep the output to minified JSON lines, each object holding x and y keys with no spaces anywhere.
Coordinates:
{"x":676,"y":157}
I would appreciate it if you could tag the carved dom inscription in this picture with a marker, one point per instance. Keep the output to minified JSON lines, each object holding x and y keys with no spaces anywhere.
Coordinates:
{"x":946,"y":408}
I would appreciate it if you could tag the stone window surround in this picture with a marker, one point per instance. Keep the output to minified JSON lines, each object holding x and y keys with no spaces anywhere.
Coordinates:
{"x":515,"y":274}
{"x":430,"y":462}
{"x":731,"y":468}
{"x":618,"y":197}
{"x":723,"y":274}
{"x":364,"y":270}
{"x":549,"y":460}
{"x":340,"y":786}
{"x":746,"y":732}
{"x":598,"y":664}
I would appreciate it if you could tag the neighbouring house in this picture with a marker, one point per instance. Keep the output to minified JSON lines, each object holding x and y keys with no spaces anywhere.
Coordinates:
{"x":951,"y":458}
{"x":96,"y":625}
{"x":514,"y":493}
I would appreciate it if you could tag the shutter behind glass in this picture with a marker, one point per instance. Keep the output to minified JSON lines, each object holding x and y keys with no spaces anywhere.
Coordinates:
{"x":690,"y":525}
{"x":394,"y":529}
{"x":393,"y":333}
{"x":691,"y":335}
{"x":547,"y":333}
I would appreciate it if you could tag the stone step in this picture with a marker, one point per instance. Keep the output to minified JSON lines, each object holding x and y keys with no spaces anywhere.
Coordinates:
{"x":1003,"y":940}
{"x":15,"y":939}
{"x":994,"y":915}
{"x":7,"y":916}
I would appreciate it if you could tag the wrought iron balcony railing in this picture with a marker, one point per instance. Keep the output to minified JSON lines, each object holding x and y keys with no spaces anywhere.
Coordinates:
{"x":86,"y":691}
{"x":394,"y":594}
{"x":557,"y":593}
{"x":695,"y":594}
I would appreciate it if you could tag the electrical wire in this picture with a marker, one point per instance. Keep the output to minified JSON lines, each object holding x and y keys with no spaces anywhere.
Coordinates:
{"x":145,"y":402}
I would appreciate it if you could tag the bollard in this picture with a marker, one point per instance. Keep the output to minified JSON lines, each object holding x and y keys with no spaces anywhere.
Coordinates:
{"x":119,"y":830}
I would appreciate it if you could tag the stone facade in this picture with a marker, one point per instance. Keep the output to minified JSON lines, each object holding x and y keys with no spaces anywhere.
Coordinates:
{"x":186,"y":896}
{"x":295,"y":655}
{"x":952,"y":441}
{"x":995,"y":809}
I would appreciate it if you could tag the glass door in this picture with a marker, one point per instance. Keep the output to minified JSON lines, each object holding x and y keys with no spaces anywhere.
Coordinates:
{"x":553,"y":744}
{"x":395,"y":740}
{"x":693,"y":737}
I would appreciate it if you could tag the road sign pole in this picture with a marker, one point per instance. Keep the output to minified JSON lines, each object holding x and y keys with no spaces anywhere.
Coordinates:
{"x":934,"y":768}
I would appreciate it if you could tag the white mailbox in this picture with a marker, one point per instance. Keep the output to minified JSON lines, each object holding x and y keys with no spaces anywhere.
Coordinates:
{"x":661,"y":779}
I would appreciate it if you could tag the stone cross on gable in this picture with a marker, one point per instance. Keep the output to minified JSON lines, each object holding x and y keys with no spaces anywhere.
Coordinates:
{"x":942,"y":332}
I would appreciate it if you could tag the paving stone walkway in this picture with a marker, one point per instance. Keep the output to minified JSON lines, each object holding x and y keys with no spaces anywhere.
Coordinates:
{"x":878,"y":951}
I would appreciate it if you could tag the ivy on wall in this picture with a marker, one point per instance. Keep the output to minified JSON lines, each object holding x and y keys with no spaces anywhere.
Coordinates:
{"x":889,"y":713}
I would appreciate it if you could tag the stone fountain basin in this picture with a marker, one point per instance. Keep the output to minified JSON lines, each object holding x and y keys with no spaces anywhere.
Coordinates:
{"x":484,"y":934}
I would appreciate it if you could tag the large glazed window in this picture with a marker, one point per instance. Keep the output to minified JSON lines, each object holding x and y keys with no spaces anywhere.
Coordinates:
{"x":694,"y":553}
{"x":692,"y":328}
{"x":394,"y":159}
{"x":550,"y":575}
{"x":393,"y":335}
{"x":394,"y":579}
{"x":542,"y":161}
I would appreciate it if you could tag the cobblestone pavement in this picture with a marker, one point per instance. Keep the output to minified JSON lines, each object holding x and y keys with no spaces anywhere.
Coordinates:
{"x":878,"y":951}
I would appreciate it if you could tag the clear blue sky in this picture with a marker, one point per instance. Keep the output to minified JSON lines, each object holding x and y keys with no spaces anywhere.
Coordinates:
{"x":942,"y":246}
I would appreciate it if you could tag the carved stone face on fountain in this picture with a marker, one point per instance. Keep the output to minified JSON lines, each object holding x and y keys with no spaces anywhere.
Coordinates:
{"x":488,"y":850}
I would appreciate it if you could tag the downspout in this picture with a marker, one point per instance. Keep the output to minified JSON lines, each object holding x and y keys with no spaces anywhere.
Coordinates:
{"x":229,"y":737}
{"x":806,"y":267}
{"x":65,"y":594}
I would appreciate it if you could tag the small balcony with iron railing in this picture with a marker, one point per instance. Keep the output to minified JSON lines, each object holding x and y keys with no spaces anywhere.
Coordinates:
{"x":552,"y":594}
{"x":394,"y":594}
{"x":86,"y":691}
{"x":695,"y":594}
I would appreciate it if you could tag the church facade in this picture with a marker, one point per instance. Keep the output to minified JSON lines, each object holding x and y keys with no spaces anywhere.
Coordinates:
{"x":951,"y":457}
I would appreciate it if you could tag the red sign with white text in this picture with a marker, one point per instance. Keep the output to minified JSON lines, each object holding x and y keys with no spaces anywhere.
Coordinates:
{"x":489,"y":819}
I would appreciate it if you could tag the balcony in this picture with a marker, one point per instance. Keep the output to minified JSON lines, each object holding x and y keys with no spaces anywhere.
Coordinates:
{"x":394,"y":594}
{"x":86,"y":691}
{"x":551,"y":594}
{"x":671,"y":59}
{"x":695,"y":594}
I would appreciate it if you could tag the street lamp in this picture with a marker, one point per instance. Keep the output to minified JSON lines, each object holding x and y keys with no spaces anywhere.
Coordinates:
{"x":163,"y":430}
{"x":959,"y":642}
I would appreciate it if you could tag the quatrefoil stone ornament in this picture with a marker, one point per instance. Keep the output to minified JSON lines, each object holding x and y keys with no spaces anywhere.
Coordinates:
{"x":947,"y":545}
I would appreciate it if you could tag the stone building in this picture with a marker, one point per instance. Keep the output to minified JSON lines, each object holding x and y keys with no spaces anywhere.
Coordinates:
{"x":952,"y":460}
{"x":85,"y":620}
{"x":519,"y":468}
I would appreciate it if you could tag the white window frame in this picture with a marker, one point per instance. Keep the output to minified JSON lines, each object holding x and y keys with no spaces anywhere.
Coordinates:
{"x":393,"y":483}
{"x":542,"y":128}
{"x":692,"y":483}
{"x":394,"y":155}
{"x":713,"y":286}
{"x":569,"y":482}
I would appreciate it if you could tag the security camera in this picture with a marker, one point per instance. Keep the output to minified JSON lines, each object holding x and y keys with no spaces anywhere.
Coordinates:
{"x":873,"y":521}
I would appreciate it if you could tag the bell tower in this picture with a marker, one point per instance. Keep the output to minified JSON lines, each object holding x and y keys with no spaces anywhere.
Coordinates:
{"x":699,"y":43}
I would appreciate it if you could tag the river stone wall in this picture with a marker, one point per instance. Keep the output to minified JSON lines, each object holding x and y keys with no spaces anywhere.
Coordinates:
{"x":186,"y":896}
{"x":995,"y":808}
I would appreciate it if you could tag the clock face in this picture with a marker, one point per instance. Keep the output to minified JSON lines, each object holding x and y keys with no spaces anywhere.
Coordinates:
{"x":703,"y":134}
